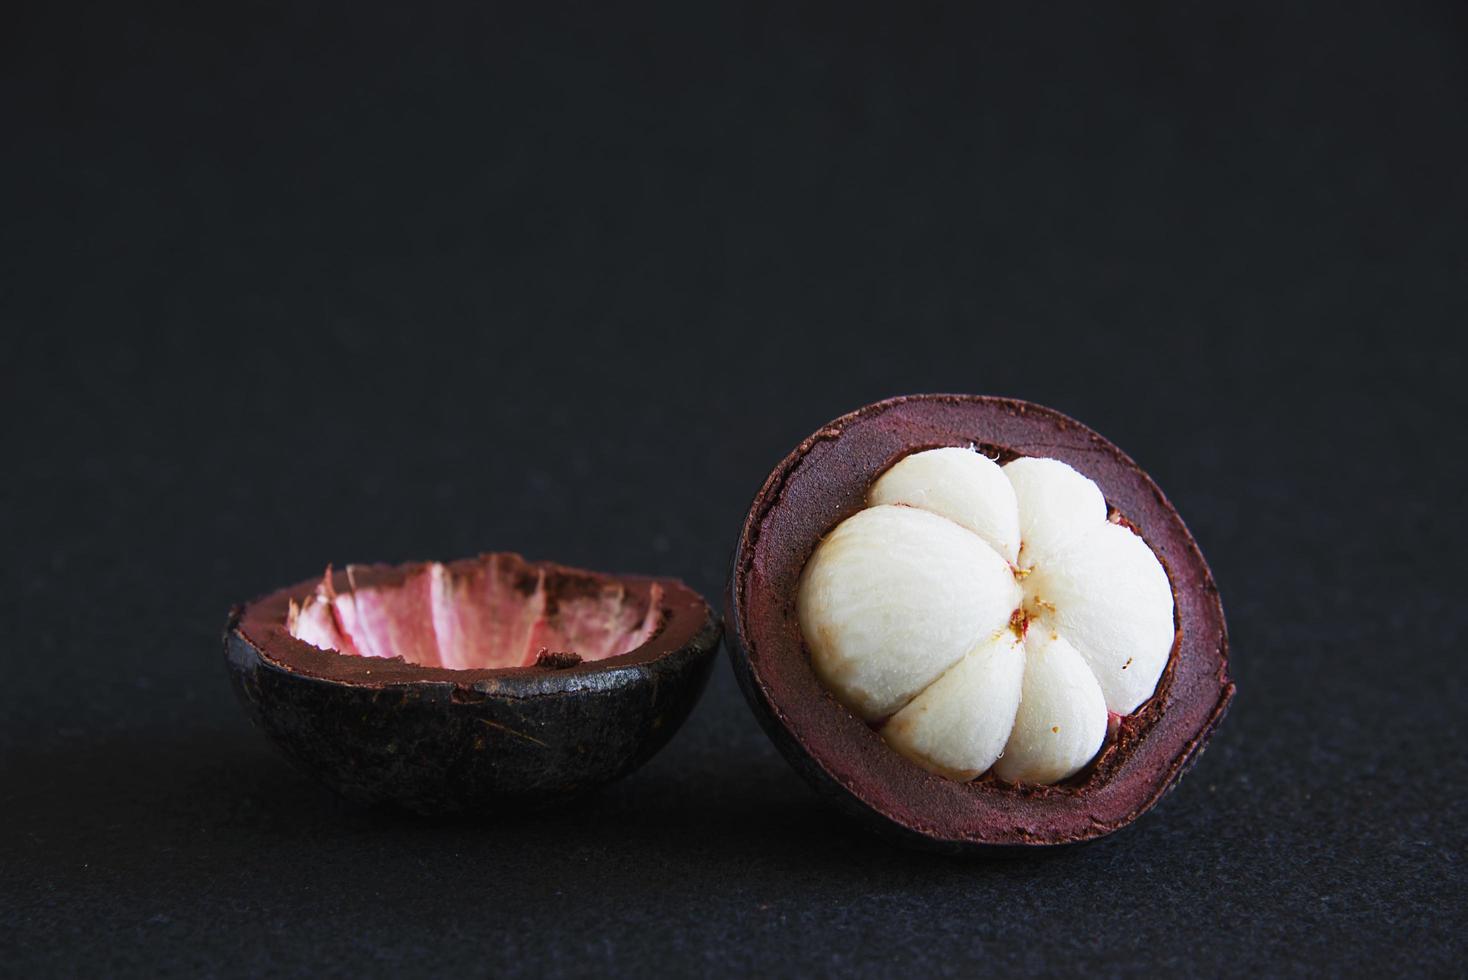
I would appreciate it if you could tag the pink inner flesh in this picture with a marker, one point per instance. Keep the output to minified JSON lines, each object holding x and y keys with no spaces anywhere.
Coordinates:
{"x":496,"y":611}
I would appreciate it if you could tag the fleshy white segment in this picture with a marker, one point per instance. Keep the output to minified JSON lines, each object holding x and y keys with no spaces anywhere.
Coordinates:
{"x":1056,"y":505}
{"x":1109,"y":596}
{"x":959,"y":725}
{"x":910,"y":605}
{"x":1061,"y":721}
{"x":892,"y":598}
{"x":962,"y":485}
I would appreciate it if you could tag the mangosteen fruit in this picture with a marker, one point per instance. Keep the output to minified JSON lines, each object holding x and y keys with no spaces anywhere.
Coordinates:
{"x":473,"y":685}
{"x":976,"y":624}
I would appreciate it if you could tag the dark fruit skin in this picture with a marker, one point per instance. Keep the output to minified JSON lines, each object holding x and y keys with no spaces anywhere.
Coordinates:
{"x":824,"y":481}
{"x":437,"y":741}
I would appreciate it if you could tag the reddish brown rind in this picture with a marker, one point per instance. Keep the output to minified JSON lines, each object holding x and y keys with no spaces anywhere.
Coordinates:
{"x":434,"y":740}
{"x":824,"y":481}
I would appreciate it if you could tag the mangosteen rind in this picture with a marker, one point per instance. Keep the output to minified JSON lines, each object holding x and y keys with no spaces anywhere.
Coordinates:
{"x":438,"y":741}
{"x":823,"y":482}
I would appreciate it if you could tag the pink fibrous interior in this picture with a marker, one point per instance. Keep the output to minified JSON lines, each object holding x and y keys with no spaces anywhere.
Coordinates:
{"x":494,"y":611}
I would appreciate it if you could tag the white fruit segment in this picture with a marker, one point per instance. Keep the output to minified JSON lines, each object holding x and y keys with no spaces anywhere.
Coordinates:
{"x":1061,"y":721}
{"x":1056,"y":505}
{"x":962,"y":485}
{"x":959,"y":725}
{"x":906,"y":608}
{"x":894,"y":597}
{"x":1108,"y":595}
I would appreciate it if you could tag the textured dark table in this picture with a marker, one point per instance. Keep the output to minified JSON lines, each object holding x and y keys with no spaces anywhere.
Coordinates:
{"x":283,"y":286}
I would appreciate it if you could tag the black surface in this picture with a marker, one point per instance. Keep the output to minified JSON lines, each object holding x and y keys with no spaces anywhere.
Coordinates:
{"x":281,"y":286}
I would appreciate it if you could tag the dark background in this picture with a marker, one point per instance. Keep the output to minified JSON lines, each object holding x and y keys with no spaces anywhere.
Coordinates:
{"x":283,"y":285}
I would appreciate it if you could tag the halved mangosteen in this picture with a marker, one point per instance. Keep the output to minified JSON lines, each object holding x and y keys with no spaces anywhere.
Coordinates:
{"x":472,"y":685}
{"x":976,"y":624}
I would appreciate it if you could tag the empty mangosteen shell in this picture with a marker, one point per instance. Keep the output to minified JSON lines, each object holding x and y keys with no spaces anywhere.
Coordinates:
{"x":432,"y":740}
{"x":824,"y":481}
